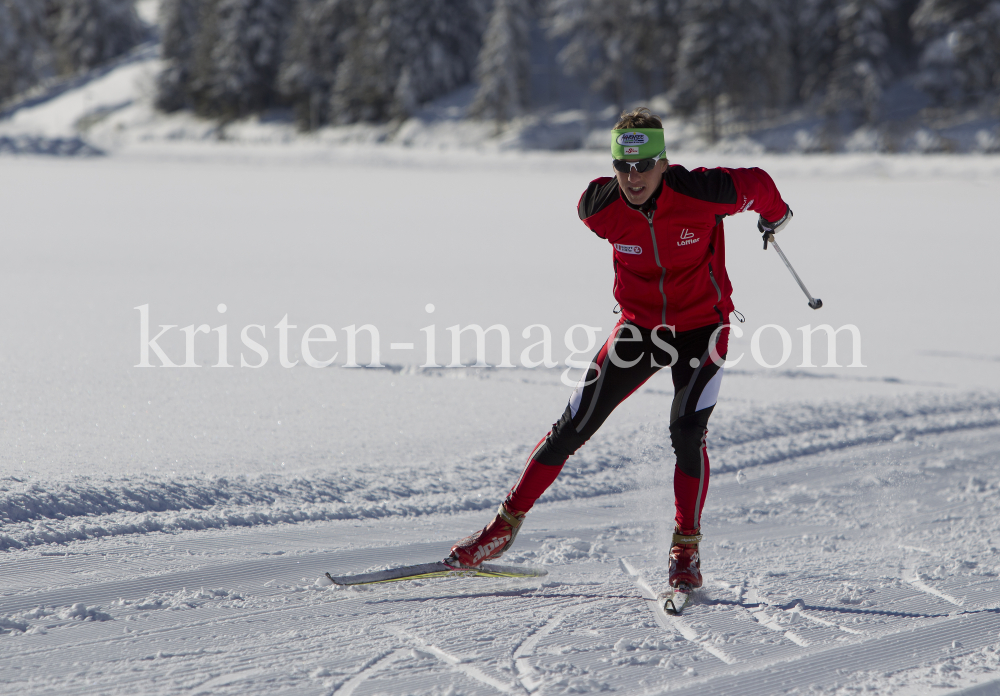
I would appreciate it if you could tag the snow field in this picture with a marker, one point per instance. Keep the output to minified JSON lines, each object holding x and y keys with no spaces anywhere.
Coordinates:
{"x":164,"y":530}
{"x":621,"y":458}
{"x":786,"y":603}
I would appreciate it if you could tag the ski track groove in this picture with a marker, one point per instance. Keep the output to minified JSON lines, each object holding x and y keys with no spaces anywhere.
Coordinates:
{"x":827,"y":624}
{"x":674,"y":624}
{"x":759,"y":597}
{"x":180,"y":628}
{"x":456,"y":662}
{"x":773,"y":625}
{"x":280,"y":568}
{"x":525,"y":670}
{"x":911,"y":578}
{"x":905,"y":649}
{"x":370,"y":667}
{"x":277,"y":649}
{"x":225,"y":680}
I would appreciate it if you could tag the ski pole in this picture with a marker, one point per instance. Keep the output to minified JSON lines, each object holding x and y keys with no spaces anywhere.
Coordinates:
{"x":814,"y":302}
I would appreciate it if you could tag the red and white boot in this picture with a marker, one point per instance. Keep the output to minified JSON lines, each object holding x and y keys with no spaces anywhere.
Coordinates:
{"x":685,"y":563}
{"x":489,"y":542}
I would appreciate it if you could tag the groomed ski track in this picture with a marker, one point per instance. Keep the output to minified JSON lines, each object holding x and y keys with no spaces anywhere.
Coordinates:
{"x":805,"y":591}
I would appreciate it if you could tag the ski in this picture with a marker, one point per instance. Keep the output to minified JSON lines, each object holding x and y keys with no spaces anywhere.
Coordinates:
{"x":677,"y":599}
{"x":441,"y":569}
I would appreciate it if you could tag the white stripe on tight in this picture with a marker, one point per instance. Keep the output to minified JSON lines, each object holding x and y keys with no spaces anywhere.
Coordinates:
{"x":574,"y":401}
{"x":710,"y":394}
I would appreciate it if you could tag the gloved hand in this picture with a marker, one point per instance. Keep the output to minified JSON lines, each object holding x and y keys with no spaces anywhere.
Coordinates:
{"x":767,"y":228}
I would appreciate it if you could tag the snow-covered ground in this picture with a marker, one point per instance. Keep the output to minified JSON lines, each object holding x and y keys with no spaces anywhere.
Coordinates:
{"x":165,"y":530}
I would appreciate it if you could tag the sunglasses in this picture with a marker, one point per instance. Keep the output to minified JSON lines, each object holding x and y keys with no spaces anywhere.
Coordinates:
{"x":643,"y":165}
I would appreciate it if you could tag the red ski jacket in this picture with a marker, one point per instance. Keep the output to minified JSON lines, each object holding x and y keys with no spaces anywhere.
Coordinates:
{"x":670,"y":253}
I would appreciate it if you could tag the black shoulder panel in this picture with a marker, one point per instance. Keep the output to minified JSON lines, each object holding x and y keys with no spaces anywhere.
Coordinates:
{"x":713,"y":185}
{"x":599,"y":195}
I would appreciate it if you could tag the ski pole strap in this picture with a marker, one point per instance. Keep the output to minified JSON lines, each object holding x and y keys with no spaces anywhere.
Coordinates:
{"x":688,"y":539}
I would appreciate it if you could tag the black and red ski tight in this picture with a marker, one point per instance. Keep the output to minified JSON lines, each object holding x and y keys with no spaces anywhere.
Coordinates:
{"x":629,"y":357}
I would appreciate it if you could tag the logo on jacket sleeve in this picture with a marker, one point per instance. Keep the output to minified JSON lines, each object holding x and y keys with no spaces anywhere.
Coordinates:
{"x":629,"y":248}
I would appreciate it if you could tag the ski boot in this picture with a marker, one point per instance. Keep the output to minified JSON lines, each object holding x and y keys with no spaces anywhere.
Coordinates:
{"x":491,"y":541}
{"x":685,"y":563}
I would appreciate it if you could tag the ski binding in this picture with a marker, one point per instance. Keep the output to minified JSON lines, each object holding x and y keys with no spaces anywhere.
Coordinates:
{"x":677,"y":599}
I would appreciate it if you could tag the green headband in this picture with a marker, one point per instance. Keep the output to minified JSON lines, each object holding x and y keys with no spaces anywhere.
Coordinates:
{"x":636,"y":143}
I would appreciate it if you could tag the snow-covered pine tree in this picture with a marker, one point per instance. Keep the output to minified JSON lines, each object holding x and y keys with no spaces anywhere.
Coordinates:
{"x":733,"y":54}
{"x":861,"y":64}
{"x":504,"y":67}
{"x":656,"y":37}
{"x":815,"y":44}
{"x":937,"y":17}
{"x":442,"y":47}
{"x":236,"y":66}
{"x":87,"y":33}
{"x":903,"y":50}
{"x":601,"y":40}
{"x":936,"y":76}
{"x":977,"y":54}
{"x":313,"y":52}
{"x":932,"y":24}
{"x":179,"y":25}
{"x":25,"y":54}
{"x":436,"y":41}
{"x":960,"y":58}
{"x":366,"y":77}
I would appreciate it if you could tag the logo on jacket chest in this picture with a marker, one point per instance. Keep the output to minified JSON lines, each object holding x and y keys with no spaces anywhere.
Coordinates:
{"x":629,"y":248}
{"x":687,"y":237}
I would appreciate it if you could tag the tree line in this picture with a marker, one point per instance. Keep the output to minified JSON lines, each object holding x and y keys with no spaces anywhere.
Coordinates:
{"x":40,"y":39}
{"x":333,"y":61}
{"x":345,"y":61}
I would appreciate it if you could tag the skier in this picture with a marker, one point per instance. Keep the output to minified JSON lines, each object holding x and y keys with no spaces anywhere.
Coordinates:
{"x":665,"y":225}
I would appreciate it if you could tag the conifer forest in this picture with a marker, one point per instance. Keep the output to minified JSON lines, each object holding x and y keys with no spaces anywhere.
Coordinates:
{"x":727,"y":65}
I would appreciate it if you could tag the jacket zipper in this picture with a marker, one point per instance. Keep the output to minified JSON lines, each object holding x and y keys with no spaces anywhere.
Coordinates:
{"x":711,"y":276}
{"x":663,"y":271}
{"x":718,"y":293}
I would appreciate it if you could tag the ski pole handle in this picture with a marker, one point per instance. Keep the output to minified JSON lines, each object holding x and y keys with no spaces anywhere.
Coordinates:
{"x":814,"y":302}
